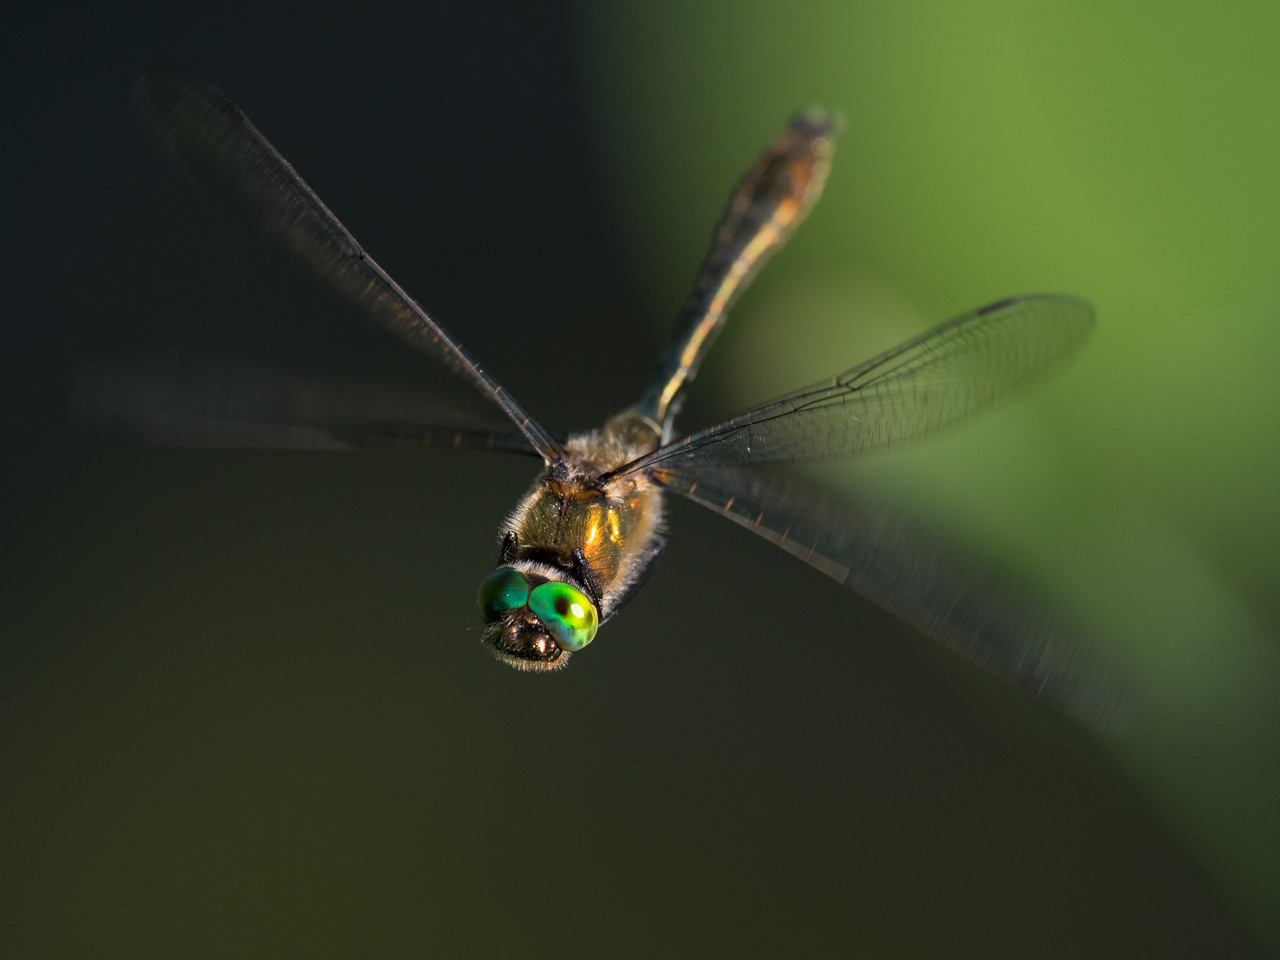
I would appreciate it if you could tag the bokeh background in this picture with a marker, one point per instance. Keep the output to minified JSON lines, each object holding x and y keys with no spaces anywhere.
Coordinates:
{"x":243,"y":707}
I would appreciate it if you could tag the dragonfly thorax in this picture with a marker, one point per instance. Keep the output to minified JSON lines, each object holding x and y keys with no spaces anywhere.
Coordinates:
{"x":599,"y":535}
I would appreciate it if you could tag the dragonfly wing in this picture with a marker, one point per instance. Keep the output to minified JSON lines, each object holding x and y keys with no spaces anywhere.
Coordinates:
{"x":229,"y":157}
{"x":917,"y":389}
{"x":208,"y":402}
{"x":971,"y":607}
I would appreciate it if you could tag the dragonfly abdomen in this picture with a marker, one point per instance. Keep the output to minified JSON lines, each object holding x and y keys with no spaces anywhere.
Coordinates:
{"x":769,"y":202}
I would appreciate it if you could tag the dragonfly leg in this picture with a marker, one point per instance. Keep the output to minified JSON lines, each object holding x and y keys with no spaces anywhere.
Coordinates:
{"x":510,"y":545}
{"x":586,"y":576}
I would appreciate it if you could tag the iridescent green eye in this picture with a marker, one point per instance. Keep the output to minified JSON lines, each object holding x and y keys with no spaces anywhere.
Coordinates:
{"x":566,"y":612}
{"x":503,"y":589}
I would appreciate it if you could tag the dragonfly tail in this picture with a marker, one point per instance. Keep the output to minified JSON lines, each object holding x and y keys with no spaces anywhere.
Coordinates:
{"x":769,"y":202}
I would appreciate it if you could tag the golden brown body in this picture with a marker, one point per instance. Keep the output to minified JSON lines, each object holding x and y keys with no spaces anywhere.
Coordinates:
{"x":616,"y":524}
{"x":603,"y":534}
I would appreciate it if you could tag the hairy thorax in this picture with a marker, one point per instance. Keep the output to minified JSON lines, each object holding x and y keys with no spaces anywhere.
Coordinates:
{"x":615,"y":523}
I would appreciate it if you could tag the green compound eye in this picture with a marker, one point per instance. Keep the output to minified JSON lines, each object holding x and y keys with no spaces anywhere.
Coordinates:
{"x":569,"y":615}
{"x":501,"y":590}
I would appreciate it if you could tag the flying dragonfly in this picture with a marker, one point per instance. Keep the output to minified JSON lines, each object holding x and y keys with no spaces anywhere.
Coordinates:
{"x":590,"y":530}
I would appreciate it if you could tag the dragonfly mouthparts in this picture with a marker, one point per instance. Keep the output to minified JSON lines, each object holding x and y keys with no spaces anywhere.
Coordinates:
{"x":522,"y":641}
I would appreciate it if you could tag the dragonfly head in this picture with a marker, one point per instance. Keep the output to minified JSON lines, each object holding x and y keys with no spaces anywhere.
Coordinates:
{"x":534,"y":622}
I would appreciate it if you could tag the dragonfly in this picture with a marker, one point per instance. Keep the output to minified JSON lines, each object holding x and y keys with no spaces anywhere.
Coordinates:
{"x":592,"y":528}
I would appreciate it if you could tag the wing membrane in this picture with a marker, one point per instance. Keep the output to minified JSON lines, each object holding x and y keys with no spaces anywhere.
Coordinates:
{"x":972,"y":608}
{"x":917,"y":389}
{"x":232,"y":160}
{"x":207,"y":402}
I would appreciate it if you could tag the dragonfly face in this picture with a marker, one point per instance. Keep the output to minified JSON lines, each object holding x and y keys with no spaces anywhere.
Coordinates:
{"x":590,"y":530}
{"x":535,"y":622}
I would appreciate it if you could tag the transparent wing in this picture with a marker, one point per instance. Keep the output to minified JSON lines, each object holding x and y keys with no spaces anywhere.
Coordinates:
{"x":951,"y":372}
{"x":968,"y":605}
{"x":233,"y":161}
{"x":212,"y":402}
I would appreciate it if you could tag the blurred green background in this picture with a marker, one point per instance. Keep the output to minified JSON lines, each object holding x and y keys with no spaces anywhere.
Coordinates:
{"x":1127,"y":152}
{"x":243,"y":710}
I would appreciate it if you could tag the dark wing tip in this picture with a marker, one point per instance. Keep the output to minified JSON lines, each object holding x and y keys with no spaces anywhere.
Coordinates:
{"x":1080,"y":305}
{"x":184,"y":111}
{"x":1072,"y":318}
{"x":998,"y":305}
{"x":165,"y":84}
{"x":160,"y":89}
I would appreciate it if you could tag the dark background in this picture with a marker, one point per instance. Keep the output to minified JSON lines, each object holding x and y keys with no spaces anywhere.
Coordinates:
{"x":243,"y":706}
